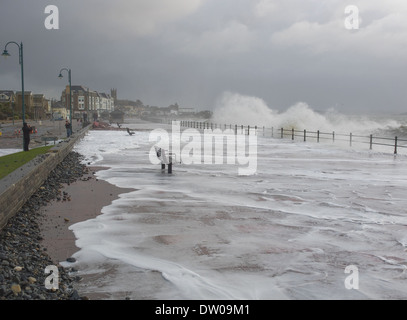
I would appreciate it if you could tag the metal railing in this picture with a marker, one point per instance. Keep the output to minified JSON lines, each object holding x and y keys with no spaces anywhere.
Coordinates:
{"x":395,"y":143}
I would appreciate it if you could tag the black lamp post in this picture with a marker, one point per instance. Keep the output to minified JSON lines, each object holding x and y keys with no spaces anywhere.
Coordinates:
{"x":5,"y":54}
{"x":70,"y":90}
{"x":21,"y":61}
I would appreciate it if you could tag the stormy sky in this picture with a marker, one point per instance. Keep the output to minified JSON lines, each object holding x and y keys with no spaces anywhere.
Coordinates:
{"x":192,"y":51}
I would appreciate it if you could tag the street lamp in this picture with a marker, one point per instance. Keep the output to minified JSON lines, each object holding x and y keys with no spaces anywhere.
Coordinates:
{"x":70,"y":90}
{"x":5,"y":54}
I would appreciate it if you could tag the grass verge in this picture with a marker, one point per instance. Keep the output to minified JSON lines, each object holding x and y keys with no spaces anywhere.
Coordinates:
{"x":11,"y":162}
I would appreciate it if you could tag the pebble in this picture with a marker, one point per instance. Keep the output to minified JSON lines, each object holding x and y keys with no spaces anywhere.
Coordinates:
{"x":16,"y":289}
{"x":32,"y":280}
{"x":22,"y":258}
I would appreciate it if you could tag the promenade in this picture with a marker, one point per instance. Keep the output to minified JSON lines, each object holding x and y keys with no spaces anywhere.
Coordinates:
{"x":12,"y":135}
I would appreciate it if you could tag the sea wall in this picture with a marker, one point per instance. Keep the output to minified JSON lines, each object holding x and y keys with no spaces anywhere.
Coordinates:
{"x":20,"y":185}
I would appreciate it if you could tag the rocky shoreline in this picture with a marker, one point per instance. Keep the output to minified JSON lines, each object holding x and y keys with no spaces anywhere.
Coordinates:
{"x":23,"y":259}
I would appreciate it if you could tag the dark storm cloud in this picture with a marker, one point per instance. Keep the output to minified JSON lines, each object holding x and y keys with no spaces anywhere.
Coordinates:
{"x":191,"y":51}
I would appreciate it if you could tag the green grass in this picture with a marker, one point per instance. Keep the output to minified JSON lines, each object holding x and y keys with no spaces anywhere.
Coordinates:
{"x":11,"y":162}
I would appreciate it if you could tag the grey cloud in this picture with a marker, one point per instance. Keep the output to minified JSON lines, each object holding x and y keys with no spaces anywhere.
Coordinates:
{"x":191,"y":52}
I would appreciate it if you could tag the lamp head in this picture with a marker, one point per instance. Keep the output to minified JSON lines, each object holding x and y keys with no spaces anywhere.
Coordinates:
{"x":60,"y":76}
{"x":5,"y":54}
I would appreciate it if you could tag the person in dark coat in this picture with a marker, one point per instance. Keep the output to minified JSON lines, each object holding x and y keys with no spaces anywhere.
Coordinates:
{"x":68,"y":127}
{"x":27,"y":130}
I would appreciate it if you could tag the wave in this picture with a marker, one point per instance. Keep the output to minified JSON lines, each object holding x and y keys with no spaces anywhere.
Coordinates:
{"x":234,"y":108}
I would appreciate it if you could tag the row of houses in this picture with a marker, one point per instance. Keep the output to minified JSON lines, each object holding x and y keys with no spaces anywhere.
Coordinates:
{"x":36,"y":105}
{"x":86,"y":102}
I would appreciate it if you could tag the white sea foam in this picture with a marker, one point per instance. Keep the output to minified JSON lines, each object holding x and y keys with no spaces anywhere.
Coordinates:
{"x":5,"y":152}
{"x":234,"y":108}
{"x":287,"y":232}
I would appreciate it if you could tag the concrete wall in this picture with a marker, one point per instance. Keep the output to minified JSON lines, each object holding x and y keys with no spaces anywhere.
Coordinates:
{"x":20,"y":185}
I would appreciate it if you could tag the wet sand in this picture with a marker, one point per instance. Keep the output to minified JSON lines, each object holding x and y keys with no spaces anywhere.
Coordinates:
{"x":82,"y":200}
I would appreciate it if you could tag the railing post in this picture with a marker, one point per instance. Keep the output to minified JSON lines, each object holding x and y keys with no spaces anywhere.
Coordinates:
{"x":248,"y":130}
{"x":350,"y":139}
{"x":305,"y":135}
{"x":255,"y":130}
{"x":235,"y":129}
{"x":371,"y":141}
{"x":395,"y":144}
{"x":292,"y":134}
{"x":282,"y":133}
{"x":318,"y":136}
{"x":333,"y":136}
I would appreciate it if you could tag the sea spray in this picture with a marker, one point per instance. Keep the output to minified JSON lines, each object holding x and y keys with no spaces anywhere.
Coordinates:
{"x":234,"y":108}
{"x":238,"y":109}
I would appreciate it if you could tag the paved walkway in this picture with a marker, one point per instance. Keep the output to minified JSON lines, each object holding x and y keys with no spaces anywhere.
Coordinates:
{"x":12,"y":139}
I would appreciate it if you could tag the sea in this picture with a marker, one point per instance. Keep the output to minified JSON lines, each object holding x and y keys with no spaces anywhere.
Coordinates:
{"x":309,"y":220}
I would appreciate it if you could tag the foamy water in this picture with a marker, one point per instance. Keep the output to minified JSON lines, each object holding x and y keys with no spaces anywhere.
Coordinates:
{"x":286,"y":232}
{"x":245,"y":110}
{"x":5,"y":152}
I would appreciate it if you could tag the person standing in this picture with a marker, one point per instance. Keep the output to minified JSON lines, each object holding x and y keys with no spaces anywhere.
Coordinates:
{"x":27,"y":130}
{"x":68,"y":127}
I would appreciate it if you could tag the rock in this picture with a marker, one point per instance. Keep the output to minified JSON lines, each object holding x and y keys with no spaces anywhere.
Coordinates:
{"x":75,"y":295}
{"x":71,"y":260}
{"x":16,"y":289}
{"x":3,"y":256}
{"x":22,"y":256}
{"x":32,"y":280}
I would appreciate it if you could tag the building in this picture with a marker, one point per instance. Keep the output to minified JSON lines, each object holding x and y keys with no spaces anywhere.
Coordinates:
{"x":7,"y":97}
{"x":186,"y":111}
{"x":39,"y":107}
{"x":113,"y":94}
{"x":106,"y":104}
{"x":58,"y":111}
{"x":36,"y":105}
{"x":28,"y":102}
{"x":86,"y":102}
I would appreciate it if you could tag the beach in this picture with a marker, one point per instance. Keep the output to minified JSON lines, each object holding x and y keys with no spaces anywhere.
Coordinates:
{"x":80,"y":201}
{"x":71,"y":194}
{"x":39,"y":235}
{"x":23,"y":257}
